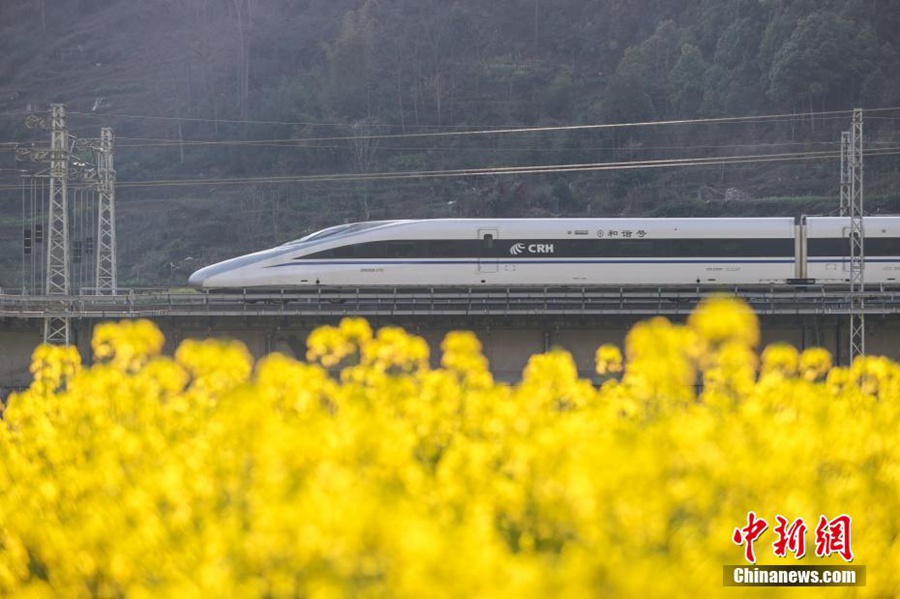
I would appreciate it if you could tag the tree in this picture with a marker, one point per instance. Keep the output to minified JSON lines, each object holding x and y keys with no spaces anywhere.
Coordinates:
{"x":350,"y":64}
{"x":825,"y":60}
{"x":243,"y":14}
{"x":626,"y":98}
{"x":638,"y":89}
{"x":687,"y":81}
{"x":363,"y":146}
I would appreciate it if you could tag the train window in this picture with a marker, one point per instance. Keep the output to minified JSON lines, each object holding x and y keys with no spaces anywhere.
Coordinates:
{"x":665,"y":248}
{"x":488,"y":241}
{"x":840,"y":246}
{"x":322,"y":234}
{"x":448,"y":248}
{"x":833,"y":246}
{"x":337,"y":230}
{"x":732,"y":247}
{"x":355,"y":250}
{"x":400,"y":249}
{"x":641,"y":249}
{"x":882,"y":246}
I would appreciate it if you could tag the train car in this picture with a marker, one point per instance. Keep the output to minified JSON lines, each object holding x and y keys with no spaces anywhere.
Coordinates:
{"x":509,"y":252}
{"x":826,"y":249}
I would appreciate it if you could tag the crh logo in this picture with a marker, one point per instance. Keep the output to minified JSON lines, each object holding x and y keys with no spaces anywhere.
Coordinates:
{"x":532,"y":248}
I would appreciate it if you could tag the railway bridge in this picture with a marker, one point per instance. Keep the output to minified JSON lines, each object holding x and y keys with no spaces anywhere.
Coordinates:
{"x":512,"y":323}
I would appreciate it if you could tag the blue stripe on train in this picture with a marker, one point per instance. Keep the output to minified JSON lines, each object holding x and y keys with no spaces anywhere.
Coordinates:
{"x":533,"y":262}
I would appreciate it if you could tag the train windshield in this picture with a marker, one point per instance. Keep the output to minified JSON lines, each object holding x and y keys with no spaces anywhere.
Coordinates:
{"x":336,"y":230}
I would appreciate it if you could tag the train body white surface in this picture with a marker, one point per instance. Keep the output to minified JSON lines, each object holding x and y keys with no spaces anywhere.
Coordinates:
{"x":566,"y":251}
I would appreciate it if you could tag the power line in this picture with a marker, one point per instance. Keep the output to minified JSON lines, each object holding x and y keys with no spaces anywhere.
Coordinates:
{"x":533,"y":169}
{"x":508,"y":170}
{"x":232,"y":121}
{"x":106,"y":115}
{"x":482,"y":131}
{"x":833,"y":114}
{"x":511,"y":170}
{"x":148,"y":142}
{"x":830,"y":115}
{"x":168,"y":143}
{"x":516,"y":170}
{"x":549,"y":129}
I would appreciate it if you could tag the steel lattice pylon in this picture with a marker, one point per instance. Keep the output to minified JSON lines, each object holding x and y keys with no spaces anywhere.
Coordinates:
{"x":845,"y":173}
{"x":106,"y":282}
{"x":857,"y":238}
{"x":56,"y":329}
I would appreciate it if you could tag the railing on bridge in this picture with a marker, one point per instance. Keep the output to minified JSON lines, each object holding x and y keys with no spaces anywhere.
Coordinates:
{"x":441,"y":301}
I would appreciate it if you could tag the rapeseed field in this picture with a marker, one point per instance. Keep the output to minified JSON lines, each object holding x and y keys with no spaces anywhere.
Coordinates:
{"x":367,"y":470}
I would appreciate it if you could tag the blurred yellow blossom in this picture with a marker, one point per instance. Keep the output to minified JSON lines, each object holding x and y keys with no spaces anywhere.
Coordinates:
{"x":52,"y":366}
{"x":814,"y":363}
{"x":780,"y":359}
{"x":724,"y":318}
{"x":608,"y":359}
{"x":129,"y":344}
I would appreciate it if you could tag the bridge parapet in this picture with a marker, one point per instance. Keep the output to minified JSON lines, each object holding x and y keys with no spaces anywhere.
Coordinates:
{"x":449,"y":301}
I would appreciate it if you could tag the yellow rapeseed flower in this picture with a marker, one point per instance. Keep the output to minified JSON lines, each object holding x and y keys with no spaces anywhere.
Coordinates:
{"x":203,"y":475}
{"x":814,"y":363}
{"x":781,"y":359}
{"x":608,"y":359}
{"x":723,"y":318}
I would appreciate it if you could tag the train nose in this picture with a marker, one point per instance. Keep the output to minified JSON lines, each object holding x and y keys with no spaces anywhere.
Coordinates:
{"x":243,"y":271}
{"x":199,"y":277}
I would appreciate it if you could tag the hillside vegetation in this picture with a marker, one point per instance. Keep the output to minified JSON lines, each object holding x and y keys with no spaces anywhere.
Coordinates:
{"x":219,"y":90}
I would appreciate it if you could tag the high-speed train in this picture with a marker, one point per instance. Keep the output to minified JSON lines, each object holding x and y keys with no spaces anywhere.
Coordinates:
{"x":568,"y":251}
